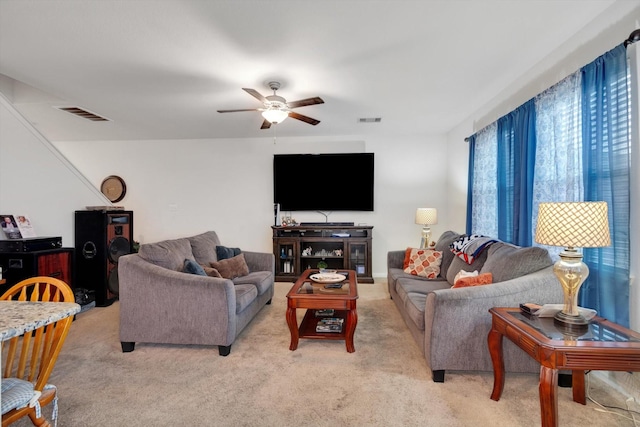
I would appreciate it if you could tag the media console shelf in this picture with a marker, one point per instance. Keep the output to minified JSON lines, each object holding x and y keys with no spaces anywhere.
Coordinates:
{"x":341,"y":247}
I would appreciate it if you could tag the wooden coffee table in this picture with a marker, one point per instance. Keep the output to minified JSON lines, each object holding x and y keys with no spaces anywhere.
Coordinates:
{"x":603,"y":346}
{"x":313,"y":296}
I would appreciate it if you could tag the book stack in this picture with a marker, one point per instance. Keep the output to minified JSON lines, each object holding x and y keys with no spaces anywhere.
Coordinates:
{"x":330,"y":324}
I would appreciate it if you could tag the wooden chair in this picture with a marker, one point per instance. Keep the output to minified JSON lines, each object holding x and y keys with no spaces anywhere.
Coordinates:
{"x":32,"y":356}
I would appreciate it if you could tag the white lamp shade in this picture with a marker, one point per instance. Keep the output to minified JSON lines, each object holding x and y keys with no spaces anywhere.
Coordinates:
{"x":426,"y":216}
{"x":275,"y":115}
{"x":573,"y":224}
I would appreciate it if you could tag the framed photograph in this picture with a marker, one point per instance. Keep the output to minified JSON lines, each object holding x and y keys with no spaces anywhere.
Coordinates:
{"x":10,"y":227}
{"x":25,"y":226}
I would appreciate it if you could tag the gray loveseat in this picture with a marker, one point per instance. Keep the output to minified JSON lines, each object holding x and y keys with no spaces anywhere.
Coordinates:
{"x":160,"y":303}
{"x":450,"y":325}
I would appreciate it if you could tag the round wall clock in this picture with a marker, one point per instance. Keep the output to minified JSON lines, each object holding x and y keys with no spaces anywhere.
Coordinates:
{"x":114,"y":188}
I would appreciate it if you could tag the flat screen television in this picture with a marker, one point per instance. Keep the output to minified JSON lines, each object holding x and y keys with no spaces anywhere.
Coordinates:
{"x":323,"y":182}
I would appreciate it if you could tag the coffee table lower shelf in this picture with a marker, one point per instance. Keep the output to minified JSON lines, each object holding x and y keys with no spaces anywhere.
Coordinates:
{"x":308,"y":325}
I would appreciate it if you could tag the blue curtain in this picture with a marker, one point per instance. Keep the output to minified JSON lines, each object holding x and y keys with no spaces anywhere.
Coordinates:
{"x":472,"y":149}
{"x":606,"y":173}
{"x":516,"y":160}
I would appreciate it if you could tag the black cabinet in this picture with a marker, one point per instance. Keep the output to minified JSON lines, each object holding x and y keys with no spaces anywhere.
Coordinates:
{"x":301,"y":247}
{"x":17,"y":266}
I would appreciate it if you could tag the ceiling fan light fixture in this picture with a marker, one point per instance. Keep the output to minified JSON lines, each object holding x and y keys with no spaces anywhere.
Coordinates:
{"x":275,"y":115}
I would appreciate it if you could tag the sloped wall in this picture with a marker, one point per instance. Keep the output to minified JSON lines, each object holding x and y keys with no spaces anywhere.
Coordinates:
{"x":36,"y":180}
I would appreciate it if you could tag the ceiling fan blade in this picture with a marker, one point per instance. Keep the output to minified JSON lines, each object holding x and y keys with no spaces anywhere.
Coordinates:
{"x":235,"y":111}
{"x":303,"y":118}
{"x":305,"y":102}
{"x":255,"y":94}
{"x":266,"y":124}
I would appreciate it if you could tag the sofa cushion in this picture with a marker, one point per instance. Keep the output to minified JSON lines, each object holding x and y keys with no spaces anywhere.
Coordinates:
{"x":192,"y":267}
{"x":414,"y":306}
{"x":506,"y":261}
{"x":168,"y":253}
{"x":223,"y":252}
{"x":442,"y":245}
{"x":232,"y":267}
{"x":406,"y":286}
{"x":479,"y":280}
{"x":423,"y":262}
{"x":262,"y":280}
{"x":245,"y":295}
{"x":203,"y":247}
{"x":16,"y":393}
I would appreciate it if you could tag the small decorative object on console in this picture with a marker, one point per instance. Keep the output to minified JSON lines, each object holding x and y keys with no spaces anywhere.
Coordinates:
{"x":114,"y":188}
{"x":287,"y":221}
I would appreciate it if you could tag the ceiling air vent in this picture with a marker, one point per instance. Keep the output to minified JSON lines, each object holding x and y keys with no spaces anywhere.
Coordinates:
{"x":370,"y":120}
{"x":83,"y":113}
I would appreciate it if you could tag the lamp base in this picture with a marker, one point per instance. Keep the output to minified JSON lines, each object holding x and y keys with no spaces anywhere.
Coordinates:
{"x":570,"y":321}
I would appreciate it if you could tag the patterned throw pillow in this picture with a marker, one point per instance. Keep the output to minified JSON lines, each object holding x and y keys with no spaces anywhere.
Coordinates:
{"x":479,"y":280}
{"x":423,"y":262}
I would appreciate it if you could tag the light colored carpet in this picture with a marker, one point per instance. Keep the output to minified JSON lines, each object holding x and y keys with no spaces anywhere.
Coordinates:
{"x":261,"y":383}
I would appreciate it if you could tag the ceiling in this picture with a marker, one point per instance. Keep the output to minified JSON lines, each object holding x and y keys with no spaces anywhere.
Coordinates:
{"x":159,"y":69}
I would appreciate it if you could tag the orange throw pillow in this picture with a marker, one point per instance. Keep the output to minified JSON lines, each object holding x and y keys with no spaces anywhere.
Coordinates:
{"x":423,"y":262}
{"x":479,"y":280}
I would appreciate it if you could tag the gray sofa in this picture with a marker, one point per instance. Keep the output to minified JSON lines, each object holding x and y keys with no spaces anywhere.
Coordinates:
{"x":160,"y":303}
{"x":450,"y":325}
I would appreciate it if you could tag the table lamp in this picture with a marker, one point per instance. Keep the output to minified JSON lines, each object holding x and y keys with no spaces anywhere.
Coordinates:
{"x":426,"y":217}
{"x":572,"y":224}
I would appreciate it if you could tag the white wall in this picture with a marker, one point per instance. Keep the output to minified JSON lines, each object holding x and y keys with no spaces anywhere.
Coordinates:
{"x":184,"y":187}
{"x":35,"y":180}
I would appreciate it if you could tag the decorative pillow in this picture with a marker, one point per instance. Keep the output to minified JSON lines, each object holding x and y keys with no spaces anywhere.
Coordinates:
{"x":211,"y":272}
{"x":232,"y":267}
{"x":479,"y":280}
{"x":192,"y":267}
{"x":423,"y":262}
{"x":223,"y":252}
{"x":462,"y":274}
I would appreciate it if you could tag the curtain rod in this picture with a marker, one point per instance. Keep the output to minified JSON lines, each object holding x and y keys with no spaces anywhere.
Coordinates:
{"x":633,"y":38}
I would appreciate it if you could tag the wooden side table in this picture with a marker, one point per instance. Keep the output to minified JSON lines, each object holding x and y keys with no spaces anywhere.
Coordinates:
{"x":603,"y":346}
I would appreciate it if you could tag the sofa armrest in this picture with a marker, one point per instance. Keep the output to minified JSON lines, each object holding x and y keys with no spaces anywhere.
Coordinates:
{"x":395,"y":259}
{"x":457,"y":321}
{"x":260,"y":261}
{"x":165,"y":306}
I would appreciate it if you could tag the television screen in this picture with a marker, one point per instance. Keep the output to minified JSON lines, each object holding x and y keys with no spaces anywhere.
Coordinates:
{"x":323,"y":182}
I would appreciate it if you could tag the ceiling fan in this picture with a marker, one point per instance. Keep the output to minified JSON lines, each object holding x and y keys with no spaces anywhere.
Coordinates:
{"x":276,"y":109}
